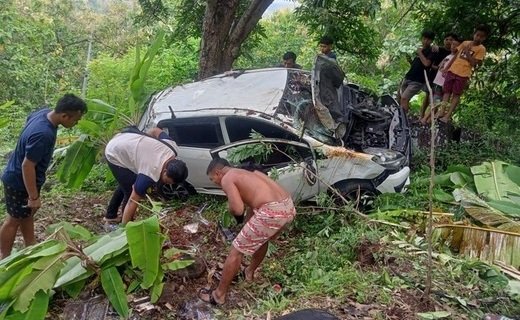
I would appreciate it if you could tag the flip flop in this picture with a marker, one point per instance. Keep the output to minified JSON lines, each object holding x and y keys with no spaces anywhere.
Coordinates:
{"x":112,"y":220}
{"x":209,"y":292}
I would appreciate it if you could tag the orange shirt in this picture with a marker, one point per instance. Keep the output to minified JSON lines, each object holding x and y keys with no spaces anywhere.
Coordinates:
{"x":461,"y":65}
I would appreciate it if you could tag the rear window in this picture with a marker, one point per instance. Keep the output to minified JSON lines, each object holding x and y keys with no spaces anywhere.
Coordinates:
{"x":201,"y":132}
{"x":240,"y":128}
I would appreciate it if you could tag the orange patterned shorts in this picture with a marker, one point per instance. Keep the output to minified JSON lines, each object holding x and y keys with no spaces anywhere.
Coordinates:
{"x":266,"y":222}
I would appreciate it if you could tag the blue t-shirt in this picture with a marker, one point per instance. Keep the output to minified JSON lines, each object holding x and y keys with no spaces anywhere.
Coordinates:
{"x":37,"y":144}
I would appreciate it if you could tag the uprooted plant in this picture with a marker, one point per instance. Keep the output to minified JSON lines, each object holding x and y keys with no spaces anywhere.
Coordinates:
{"x":121,"y":261}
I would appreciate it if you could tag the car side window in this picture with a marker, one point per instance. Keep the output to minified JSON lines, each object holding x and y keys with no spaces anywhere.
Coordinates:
{"x":240,"y":128}
{"x":197,"y":132}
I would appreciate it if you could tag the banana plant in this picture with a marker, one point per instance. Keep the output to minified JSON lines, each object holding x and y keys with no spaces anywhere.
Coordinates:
{"x":102,"y":121}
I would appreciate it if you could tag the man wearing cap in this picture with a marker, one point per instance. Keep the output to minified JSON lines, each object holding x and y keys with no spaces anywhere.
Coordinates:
{"x":139,"y":161}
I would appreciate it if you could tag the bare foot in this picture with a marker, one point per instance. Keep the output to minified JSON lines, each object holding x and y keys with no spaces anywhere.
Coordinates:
{"x":249,"y":275}
{"x":210,"y":296}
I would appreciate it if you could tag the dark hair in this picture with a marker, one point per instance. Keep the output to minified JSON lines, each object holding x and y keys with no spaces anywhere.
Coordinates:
{"x":217,"y":163}
{"x":428,"y":34}
{"x":289,"y":55}
{"x":484,"y":28}
{"x":70,"y":103}
{"x":326,"y":40}
{"x":453,"y":35}
{"x":177,"y":170}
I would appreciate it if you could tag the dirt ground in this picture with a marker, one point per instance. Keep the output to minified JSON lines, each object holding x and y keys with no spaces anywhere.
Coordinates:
{"x":179,"y":298}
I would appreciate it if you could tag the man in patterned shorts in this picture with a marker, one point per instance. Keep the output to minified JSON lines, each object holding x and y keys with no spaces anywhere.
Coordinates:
{"x":270,"y":208}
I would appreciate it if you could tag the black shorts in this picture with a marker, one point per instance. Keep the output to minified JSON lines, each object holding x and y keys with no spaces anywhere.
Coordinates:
{"x":16,"y":202}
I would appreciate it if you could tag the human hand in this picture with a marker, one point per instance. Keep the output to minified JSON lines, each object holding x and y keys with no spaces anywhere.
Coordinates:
{"x":419,"y":50}
{"x":435,"y":48}
{"x":155,"y":132}
{"x":34,"y":205}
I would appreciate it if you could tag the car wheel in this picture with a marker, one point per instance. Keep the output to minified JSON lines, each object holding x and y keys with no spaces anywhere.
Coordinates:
{"x":179,"y":191}
{"x":359,"y":192}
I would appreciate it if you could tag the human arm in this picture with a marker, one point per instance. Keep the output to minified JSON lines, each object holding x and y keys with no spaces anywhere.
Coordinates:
{"x":155,"y":132}
{"x":426,"y":61}
{"x":131,"y":207}
{"x":235,"y":204}
{"x":29,"y":180}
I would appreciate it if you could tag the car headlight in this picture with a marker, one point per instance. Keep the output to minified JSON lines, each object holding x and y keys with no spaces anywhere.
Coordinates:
{"x":389,"y":159}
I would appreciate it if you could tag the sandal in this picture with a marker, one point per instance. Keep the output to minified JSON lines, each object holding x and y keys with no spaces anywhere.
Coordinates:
{"x":211,"y":298}
{"x":238,"y":277}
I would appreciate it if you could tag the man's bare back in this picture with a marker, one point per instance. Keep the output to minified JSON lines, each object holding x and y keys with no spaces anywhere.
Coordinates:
{"x":254,"y":188}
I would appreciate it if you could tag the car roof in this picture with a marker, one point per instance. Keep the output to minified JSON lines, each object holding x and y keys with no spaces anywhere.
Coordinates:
{"x":257,"y":90}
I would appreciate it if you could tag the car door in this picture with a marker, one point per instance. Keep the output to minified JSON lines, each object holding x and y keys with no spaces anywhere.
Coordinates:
{"x":292,"y":164}
{"x":195,"y":136}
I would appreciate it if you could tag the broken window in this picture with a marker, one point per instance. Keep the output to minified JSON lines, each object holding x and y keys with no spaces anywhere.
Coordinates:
{"x":240,"y":128}
{"x":199,"y":132}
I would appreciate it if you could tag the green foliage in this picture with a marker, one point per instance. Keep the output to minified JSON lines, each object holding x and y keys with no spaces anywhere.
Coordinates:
{"x":114,"y":288}
{"x":352,"y":32}
{"x":145,"y":242}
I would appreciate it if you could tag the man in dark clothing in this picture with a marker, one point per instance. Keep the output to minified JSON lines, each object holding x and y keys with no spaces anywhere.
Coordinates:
{"x":289,"y":61}
{"x":24,"y":174}
{"x":438,"y":56}
{"x":414,"y":80}
{"x":326,"y":44}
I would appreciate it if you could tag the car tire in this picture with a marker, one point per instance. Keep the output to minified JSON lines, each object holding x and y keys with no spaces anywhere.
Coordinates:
{"x":351,"y":190}
{"x":180,"y":191}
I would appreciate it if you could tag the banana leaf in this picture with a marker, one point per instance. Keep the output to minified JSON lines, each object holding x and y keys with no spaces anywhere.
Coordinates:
{"x":493,"y":182}
{"x":145,"y":242}
{"x":79,"y":160}
{"x":114,"y":288}
{"x":37,"y":310}
{"x":481,"y":211}
{"x":43,"y":277}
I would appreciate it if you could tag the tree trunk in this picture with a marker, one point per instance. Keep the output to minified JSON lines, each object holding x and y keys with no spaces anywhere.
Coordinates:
{"x":223,"y":33}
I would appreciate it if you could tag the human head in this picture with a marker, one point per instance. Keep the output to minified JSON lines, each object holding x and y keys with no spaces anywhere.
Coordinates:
{"x":454,"y":45}
{"x":215,"y":172}
{"x":289,"y":59}
{"x":175,"y":171}
{"x":448,"y":38}
{"x":481,"y":33}
{"x":326,"y":43}
{"x":427,"y":38}
{"x":70,"y":109}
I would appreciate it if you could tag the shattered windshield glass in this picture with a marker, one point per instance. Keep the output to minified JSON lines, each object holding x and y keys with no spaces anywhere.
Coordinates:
{"x":297,"y":104}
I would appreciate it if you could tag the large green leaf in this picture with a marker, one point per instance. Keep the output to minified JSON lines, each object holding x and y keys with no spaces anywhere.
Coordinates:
{"x":479,"y":210}
{"x":509,"y":208}
{"x":78,"y":162}
{"x":27,"y":252}
{"x":4,"y":308}
{"x":44,"y":274}
{"x":492,"y":181}
{"x":74,"y":231}
{"x":100,"y":111}
{"x":11,"y":277}
{"x":177,"y":264}
{"x":37,"y":310}
{"x":104,"y":248}
{"x":144,"y":242}
{"x":157,"y":288}
{"x":115,"y":290}
{"x":74,"y":289}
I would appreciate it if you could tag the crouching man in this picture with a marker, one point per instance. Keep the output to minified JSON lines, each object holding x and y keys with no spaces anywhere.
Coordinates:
{"x":272,"y":209}
{"x":138,"y":161}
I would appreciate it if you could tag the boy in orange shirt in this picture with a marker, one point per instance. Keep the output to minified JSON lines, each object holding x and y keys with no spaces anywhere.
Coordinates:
{"x":469,"y":54}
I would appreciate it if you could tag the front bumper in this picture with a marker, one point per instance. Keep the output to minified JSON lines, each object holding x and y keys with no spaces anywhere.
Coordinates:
{"x":396,"y":182}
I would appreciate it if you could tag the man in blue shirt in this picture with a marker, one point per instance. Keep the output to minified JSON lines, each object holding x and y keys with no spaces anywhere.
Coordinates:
{"x":24,"y":174}
{"x":326,"y":44}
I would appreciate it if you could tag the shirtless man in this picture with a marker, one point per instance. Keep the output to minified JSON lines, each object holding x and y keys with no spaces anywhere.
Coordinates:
{"x":272,"y":209}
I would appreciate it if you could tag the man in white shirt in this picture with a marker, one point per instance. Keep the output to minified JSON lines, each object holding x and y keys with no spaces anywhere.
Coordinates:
{"x":139,"y":161}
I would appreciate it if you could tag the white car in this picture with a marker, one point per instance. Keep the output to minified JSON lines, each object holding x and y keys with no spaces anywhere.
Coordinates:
{"x":318,"y":132}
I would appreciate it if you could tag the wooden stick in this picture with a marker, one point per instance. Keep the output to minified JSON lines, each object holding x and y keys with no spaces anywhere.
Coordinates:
{"x":509,"y":233}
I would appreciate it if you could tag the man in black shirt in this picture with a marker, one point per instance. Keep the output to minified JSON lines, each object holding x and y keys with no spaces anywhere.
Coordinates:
{"x":439,"y":54}
{"x":414,"y":80}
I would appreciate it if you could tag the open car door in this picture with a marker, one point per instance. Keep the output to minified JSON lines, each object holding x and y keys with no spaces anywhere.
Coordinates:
{"x":292,"y":164}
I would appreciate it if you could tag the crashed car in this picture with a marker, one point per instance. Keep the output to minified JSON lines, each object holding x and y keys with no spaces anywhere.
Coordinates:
{"x":308,"y":130}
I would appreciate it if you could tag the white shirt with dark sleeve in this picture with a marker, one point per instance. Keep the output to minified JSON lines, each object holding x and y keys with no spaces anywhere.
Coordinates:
{"x":143,"y":155}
